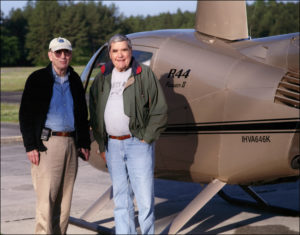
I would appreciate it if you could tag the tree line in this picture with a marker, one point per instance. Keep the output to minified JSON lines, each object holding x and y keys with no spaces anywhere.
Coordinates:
{"x":25,"y":34}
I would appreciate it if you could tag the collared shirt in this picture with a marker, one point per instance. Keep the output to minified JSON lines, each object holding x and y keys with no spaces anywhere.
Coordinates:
{"x":60,"y":115}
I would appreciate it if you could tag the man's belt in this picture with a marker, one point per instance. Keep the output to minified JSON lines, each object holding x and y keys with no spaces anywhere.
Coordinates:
{"x":64,"y":134}
{"x":123,"y":137}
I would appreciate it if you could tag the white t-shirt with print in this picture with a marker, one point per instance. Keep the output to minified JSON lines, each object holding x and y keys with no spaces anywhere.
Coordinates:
{"x":116,"y":122}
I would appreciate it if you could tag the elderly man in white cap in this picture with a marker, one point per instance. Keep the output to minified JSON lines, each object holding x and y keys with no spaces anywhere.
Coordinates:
{"x":53,"y":122}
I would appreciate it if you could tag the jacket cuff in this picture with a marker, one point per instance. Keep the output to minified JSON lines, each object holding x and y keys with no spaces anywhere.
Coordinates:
{"x":148,"y":139}
{"x":30,"y":148}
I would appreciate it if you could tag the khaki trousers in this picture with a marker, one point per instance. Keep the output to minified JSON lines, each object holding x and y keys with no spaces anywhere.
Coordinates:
{"x":53,"y":180}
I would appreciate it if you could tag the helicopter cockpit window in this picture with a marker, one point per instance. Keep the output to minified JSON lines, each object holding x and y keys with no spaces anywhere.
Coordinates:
{"x":143,"y":57}
{"x":101,"y":60}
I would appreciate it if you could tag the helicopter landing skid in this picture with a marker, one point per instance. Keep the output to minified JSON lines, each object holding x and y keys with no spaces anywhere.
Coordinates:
{"x":259,"y":203}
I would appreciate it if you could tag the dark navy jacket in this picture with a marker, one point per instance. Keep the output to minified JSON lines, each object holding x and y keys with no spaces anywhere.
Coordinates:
{"x":35,"y":104}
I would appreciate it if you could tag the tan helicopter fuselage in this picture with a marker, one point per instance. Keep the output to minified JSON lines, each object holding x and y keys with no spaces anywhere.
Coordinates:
{"x":233,"y":106}
{"x":224,"y":121}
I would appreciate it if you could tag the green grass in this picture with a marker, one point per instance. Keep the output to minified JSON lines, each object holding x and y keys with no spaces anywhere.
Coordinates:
{"x":14,"y":78}
{"x":9,"y":112}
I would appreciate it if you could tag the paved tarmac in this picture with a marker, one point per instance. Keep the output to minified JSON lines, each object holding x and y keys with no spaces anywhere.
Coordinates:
{"x":11,"y":96}
{"x":217,"y":217}
{"x":10,"y":132}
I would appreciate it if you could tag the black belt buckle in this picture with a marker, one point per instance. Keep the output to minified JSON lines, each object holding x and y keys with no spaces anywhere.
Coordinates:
{"x":46,"y":133}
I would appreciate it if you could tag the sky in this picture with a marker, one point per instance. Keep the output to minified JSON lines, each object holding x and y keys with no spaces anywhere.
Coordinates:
{"x":128,"y":8}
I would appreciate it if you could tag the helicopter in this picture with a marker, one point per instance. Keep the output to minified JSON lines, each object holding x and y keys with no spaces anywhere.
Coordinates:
{"x":233,"y":107}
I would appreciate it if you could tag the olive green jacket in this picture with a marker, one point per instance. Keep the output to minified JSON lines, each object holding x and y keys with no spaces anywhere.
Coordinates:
{"x":144,"y":104}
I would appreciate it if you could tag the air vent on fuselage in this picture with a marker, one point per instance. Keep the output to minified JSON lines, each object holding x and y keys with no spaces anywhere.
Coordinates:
{"x":288,"y":91}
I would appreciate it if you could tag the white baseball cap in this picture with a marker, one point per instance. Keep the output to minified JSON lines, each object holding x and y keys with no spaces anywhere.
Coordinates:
{"x":59,"y":44}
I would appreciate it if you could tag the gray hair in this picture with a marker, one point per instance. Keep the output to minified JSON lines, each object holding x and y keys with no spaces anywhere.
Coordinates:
{"x":119,"y":38}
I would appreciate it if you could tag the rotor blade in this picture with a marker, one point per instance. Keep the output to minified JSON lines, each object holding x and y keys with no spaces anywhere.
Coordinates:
{"x":194,"y":206}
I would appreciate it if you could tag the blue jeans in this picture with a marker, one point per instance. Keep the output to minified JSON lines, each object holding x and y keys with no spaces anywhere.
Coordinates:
{"x":131,"y":163}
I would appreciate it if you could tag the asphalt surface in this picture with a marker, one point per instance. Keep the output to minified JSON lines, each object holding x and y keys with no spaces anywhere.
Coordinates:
{"x":11,"y":96}
{"x":171,"y":197}
{"x":10,"y":133}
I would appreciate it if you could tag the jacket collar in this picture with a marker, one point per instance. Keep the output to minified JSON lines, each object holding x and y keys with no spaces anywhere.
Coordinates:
{"x":109,"y":66}
{"x":49,"y":69}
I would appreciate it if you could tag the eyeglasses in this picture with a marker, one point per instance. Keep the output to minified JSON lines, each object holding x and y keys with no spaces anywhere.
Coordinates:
{"x":59,"y":53}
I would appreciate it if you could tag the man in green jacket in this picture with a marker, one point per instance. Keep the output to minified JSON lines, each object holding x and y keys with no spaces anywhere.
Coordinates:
{"x":128,"y":112}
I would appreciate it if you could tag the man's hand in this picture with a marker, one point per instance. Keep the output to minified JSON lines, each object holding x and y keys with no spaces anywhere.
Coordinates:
{"x":86,"y":153}
{"x":33,"y":156}
{"x":103,"y":156}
